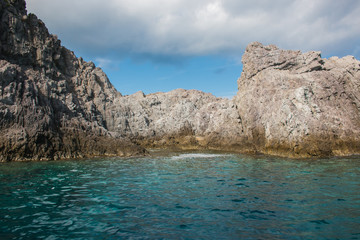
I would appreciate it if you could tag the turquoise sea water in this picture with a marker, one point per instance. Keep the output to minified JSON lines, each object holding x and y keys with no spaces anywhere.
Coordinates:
{"x":181,"y":196}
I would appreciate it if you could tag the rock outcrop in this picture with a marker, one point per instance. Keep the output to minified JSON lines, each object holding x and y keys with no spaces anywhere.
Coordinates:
{"x":289,"y":104}
{"x":54,"y":105}
{"x":180,"y":118}
{"x":299,"y":104}
{"x":51,"y":102}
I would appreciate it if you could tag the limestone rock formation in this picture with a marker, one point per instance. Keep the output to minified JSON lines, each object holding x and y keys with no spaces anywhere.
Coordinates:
{"x":179,"y":118}
{"x":51,"y":102}
{"x":289,"y":103}
{"x":298,"y":104}
{"x":54,"y":105}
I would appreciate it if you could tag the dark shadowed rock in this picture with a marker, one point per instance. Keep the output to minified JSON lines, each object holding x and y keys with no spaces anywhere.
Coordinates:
{"x":51,"y":102}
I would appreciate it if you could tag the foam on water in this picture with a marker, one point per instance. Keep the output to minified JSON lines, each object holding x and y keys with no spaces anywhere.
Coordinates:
{"x":197,"y":196}
{"x":198,"y":155}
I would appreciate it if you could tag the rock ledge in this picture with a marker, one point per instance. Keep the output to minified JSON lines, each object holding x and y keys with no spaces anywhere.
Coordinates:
{"x":54,"y":105}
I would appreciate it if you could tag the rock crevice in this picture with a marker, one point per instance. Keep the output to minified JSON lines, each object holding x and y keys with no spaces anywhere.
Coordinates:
{"x":299,"y":104}
{"x":54,"y":105}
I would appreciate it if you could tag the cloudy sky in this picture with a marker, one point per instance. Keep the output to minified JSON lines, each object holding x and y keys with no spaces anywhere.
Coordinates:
{"x":160,"y":45}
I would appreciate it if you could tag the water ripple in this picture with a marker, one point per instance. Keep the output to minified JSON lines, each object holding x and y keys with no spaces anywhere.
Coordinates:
{"x":181,"y":196}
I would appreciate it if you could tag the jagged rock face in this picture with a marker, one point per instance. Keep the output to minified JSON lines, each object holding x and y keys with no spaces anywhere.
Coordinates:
{"x":185,"y":118}
{"x":51,"y":103}
{"x":298,"y":104}
{"x":54,"y":105}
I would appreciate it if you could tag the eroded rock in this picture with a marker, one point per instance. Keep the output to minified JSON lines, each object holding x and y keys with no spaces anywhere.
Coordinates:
{"x":51,"y":102}
{"x":180,"y":118}
{"x":54,"y":105}
{"x":298,"y":104}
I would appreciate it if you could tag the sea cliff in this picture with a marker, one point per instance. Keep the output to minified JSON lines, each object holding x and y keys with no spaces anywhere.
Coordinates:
{"x":54,"y":105}
{"x":51,"y":102}
{"x":299,"y":104}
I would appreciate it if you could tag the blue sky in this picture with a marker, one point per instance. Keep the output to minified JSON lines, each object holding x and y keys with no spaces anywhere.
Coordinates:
{"x":160,"y":45}
{"x":213,"y":74}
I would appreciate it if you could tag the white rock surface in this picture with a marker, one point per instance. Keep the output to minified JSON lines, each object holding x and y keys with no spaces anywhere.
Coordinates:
{"x":54,"y":105}
{"x":298,"y":104}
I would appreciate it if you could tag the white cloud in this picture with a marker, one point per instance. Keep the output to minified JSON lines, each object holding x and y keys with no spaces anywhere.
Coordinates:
{"x":103,"y":62}
{"x":183,"y":28}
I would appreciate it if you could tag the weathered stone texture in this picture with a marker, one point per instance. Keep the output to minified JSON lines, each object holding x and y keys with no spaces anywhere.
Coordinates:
{"x":298,"y":104}
{"x":51,"y":102}
{"x":54,"y":105}
{"x":182,"y":118}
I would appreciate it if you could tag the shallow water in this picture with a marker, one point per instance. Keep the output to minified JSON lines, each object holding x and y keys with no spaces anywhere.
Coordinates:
{"x":181,"y":196}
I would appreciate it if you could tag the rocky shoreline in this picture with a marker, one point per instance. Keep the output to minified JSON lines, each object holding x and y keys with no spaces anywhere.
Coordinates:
{"x":54,"y":105}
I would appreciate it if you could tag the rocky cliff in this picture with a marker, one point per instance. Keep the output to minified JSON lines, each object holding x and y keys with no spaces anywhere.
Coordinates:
{"x":51,"y":102}
{"x":299,"y":104}
{"x":289,"y":103}
{"x":186,"y":119}
{"x":54,"y":105}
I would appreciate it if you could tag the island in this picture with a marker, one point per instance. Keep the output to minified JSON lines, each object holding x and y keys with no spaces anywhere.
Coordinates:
{"x":54,"y":105}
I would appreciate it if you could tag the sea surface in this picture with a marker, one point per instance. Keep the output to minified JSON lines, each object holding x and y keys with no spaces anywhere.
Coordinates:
{"x":193,"y":195}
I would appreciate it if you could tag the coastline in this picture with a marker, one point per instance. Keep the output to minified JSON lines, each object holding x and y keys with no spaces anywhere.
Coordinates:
{"x":54,"y":105}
